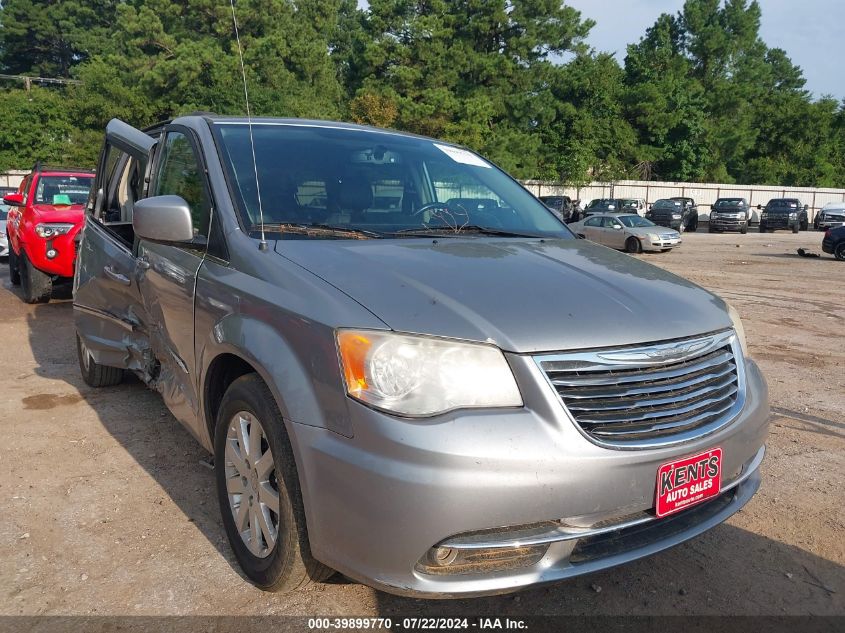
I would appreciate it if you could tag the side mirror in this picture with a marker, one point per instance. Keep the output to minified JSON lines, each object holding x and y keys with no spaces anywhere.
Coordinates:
{"x":759,"y":206}
{"x":806,"y":206}
{"x":163,"y":219}
{"x":14,"y":199}
{"x":712,"y":207}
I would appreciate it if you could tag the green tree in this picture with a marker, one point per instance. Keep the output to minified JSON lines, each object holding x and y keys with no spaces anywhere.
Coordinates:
{"x":48,"y":38}
{"x":471,"y":71}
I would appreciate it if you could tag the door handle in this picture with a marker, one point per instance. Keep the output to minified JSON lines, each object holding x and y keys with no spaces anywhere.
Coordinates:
{"x":112,"y":274}
{"x":143,"y":263}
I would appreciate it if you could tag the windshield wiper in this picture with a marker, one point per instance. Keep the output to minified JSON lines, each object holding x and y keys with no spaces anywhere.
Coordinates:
{"x":461,"y":230}
{"x":321,"y":229}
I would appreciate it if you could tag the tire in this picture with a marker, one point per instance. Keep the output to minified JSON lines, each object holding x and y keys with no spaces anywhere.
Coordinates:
{"x":94,"y":374}
{"x":839,"y":252}
{"x":710,"y":229}
{"x":632,"y":245}
{"x":35,"y":284}
{"x":762,"y":228}
{"x":744,"y":229}
{"x":287,"y":564}
{"x":795,"y":228}
{"x":14,"y":267}
{"x":693,"y":226}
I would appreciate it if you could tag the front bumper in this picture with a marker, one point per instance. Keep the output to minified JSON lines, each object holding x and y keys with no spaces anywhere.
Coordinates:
{"x":661,"y":244}
{"x":378,"y":502}
{"x":728,"y":224}
{"x":62,"y":263}
{"x":670,"y":224}
{"x":827,"y":245}
{"x":830,"y":224}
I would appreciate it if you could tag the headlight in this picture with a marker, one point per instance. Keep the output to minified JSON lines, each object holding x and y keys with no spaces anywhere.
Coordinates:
{"x":676,"y":216}
{"x":764,"y":215}
{"x":423,"y":376}
{"x":740,"y":331}
{"x":52,"y":230}
{"x":713,"y":216}
{"x":793,"y":216}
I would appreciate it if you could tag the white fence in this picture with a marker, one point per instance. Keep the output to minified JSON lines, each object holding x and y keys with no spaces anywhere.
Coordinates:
{"x":12,"y":178}
{"x":704,"y":194}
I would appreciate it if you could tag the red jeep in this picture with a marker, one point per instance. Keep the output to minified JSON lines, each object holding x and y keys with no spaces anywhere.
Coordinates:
{"x":45,"y":215}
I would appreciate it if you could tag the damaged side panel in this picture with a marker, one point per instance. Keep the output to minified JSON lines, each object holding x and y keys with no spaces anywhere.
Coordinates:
{"x":107,"y":306}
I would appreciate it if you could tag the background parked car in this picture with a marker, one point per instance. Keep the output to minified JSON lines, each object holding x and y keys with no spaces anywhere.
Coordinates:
{"x":633,"y":205}
{"x":834,"y":242}
{"x":830,"y":216}
{"x":627,"y":232}
{"x":729,"y":214}
{"x":45,"y":217}
{"x":673,"y":213}
{"x":783,"y":213}
{"x":561,"y":205}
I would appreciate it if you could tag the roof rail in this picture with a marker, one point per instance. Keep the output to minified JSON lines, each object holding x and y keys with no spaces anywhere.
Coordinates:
{"x":39,"y":167}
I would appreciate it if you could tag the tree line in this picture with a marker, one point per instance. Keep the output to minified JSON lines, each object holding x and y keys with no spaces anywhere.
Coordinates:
{"x":700,"y":96}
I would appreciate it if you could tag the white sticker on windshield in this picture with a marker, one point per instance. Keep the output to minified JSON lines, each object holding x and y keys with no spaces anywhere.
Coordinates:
{"x":462,"y":156}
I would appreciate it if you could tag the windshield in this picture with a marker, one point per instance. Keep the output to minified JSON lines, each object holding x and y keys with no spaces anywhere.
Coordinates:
{"x":63,"y":189}
{"x":729,"y":202}
{"x":374,"y":182}
{"x":785,"y":204}
{"x":634,"y":221}
{"x":666,"y":204}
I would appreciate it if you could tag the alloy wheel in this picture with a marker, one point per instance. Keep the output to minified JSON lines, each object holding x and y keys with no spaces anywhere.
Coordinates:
{"x":251,"y":484}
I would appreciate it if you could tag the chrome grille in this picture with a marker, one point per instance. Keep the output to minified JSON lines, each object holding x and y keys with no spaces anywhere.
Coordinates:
{"x":652,"y":395}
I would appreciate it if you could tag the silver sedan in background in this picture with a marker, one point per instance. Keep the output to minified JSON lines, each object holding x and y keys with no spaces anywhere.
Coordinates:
{"x":628,"y":232}
{"x":4,"y":241}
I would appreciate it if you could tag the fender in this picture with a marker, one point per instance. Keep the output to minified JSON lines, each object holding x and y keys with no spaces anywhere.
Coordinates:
{"x":282,"y":367}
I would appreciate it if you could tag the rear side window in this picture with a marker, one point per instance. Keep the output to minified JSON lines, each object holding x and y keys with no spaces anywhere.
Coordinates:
{"x":179,"y":174}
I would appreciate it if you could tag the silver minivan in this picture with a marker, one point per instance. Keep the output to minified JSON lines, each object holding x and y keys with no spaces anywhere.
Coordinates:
{"x":407,"y":368}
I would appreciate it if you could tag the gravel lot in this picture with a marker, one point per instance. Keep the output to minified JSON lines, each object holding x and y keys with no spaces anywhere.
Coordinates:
{"x":106,"y":505}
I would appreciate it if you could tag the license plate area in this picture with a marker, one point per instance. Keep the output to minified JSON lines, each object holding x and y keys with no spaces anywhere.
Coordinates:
{"x":685,"y":482}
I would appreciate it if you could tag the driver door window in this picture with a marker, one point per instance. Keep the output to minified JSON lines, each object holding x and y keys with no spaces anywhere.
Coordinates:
{"x":179,"y":173}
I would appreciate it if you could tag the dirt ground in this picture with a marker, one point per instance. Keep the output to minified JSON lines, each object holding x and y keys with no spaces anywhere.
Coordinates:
{"x":107,"y":507}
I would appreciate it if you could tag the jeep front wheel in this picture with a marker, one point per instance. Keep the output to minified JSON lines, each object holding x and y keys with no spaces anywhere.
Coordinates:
{"x":14,"y":267}
{"x":36,"y":285}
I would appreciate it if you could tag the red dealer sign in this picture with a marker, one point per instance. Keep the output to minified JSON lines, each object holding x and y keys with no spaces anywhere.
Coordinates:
{"x":688,"y":481}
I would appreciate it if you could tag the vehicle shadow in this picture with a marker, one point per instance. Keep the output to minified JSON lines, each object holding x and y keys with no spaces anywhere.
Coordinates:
{"x":134,"y":416}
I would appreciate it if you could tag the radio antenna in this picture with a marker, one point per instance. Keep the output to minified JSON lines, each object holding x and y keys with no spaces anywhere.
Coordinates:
{"x":262,"y":245}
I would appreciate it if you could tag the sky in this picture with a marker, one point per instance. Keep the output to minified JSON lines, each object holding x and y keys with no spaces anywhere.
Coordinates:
{"x":812,"y":32}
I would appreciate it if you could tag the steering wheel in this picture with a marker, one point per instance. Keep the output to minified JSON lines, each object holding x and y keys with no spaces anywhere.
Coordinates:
{"x":429,"y":206}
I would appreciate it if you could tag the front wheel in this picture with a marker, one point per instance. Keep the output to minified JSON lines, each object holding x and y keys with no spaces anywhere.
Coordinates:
{"x":36,"y":285}
{"x":795,"y":228}
{"x":258,"y":490}
{"x":693,"y":225}
{"x":633,"y":245}
{"x":762,"y":228}
{"x":14,"y":266}
{"x":744,"y":229}
{"x":839,"y":252}
{"x":93,"y":373}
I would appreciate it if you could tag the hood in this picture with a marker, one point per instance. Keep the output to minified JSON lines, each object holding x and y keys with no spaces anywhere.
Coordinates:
{"x":523,"y":295}
{"x":72,"y":214}
{"x":650,"y":230}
